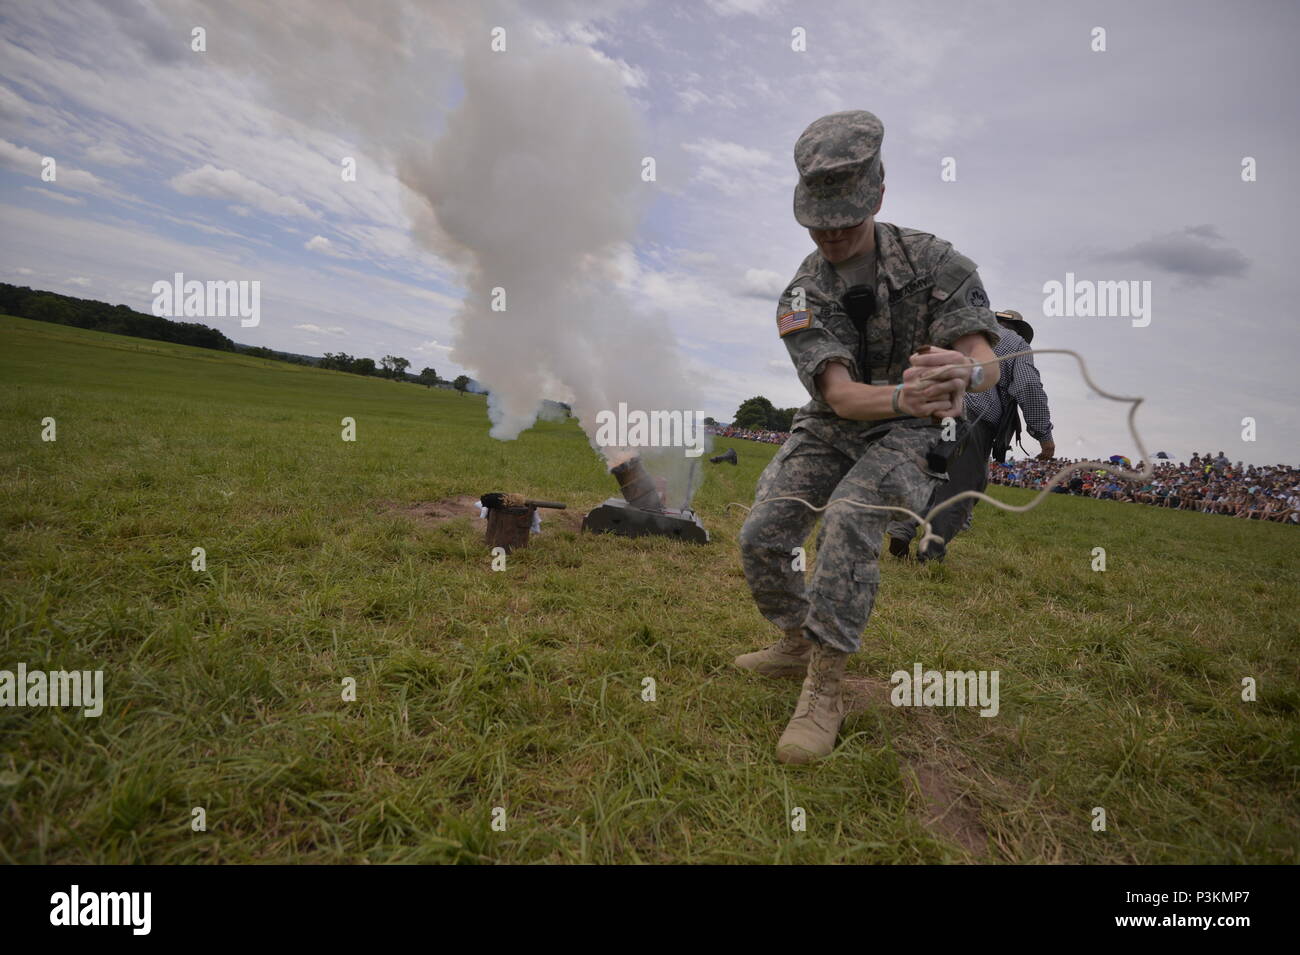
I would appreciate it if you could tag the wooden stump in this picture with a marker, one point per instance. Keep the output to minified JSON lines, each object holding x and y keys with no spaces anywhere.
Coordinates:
{"x":509,"y":527}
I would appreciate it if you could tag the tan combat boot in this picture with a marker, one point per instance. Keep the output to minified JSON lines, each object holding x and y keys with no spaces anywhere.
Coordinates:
{"x":787,"y":657}
{"x":811,"y":732}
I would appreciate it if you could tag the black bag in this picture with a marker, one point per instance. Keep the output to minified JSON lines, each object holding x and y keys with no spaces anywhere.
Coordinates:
{"x":1008,"y":431}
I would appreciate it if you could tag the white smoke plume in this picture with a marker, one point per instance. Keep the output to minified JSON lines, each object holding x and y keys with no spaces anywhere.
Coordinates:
{"x":534,"y":187}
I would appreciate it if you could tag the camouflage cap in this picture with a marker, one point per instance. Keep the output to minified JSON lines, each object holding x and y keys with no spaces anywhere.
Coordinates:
{"x":838,"y":158}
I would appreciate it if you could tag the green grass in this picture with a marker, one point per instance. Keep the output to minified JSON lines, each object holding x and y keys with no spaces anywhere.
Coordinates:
{"x":522,"y":688}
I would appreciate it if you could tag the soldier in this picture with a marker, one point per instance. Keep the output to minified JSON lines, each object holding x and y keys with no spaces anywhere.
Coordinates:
{"x":887,"y":328}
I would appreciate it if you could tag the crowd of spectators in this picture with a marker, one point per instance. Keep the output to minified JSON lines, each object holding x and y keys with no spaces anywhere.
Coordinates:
{"x":1206,"y":483}
{"x":750,"y":434}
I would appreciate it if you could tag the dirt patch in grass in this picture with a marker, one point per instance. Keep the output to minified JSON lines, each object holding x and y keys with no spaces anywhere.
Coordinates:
{"x":437,"y":513}
{"x":950,"y":811}
{"x":864,"y":692}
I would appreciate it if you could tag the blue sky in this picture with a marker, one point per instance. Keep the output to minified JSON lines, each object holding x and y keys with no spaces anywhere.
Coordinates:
{"x":1115,"y":165}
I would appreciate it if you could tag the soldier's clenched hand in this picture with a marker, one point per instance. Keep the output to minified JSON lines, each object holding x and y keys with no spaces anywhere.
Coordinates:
{"x":935,"y":383}
{"x":938,"y":364}
{"x":931,"y":399}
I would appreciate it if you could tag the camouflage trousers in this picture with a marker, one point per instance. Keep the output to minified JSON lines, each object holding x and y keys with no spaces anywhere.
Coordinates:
{"x":833,"y":602}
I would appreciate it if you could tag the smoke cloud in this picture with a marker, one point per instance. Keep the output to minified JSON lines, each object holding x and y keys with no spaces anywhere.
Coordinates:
{"x":533,"y":189}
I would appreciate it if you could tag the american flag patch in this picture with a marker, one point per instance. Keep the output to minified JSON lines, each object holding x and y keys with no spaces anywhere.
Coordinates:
{"x":794,"y":321}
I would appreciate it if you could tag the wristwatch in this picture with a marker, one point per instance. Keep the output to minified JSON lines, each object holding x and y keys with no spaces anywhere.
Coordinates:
{"x":976,"y":375}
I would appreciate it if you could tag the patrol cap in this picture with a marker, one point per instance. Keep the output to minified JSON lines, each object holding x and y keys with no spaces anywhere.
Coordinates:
{"x":838,"y":158}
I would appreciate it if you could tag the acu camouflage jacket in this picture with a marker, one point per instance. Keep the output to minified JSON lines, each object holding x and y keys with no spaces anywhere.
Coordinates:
{"x":926,"y":294}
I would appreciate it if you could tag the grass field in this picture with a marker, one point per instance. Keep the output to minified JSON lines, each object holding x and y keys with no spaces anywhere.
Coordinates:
{"x":522,"y":689}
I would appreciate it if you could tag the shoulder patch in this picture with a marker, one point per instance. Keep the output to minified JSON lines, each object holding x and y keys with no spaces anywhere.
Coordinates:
{"x":977,"y":298}
{"x":795,"y":321}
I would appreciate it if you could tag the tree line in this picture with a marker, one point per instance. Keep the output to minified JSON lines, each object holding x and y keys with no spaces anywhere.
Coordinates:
{"x":100,"y":316}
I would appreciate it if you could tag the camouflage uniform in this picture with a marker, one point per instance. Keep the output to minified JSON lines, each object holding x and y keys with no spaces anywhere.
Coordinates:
{"x":926,"y":293}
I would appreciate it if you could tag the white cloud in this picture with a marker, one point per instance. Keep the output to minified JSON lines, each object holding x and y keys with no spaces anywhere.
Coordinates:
{"x":13,"y":105}
{"x":110,"y":154}
{"x":60,"y":197}
{"x":318,"y":243}
{"x":23,"y":160}
{"x":584,"y":35}
{"x":733,"y":8}
{"x":734,"y":169}
{"x":214,"y":183}
{"x":718,"y":152}
{"x":762,"y":283}
{"x":692,"y":98}
{"x":632,"y":77}
{"x":434,"y":345}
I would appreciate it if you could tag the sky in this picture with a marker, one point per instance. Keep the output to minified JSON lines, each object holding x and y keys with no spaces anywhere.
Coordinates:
{"x":1115,"y":164}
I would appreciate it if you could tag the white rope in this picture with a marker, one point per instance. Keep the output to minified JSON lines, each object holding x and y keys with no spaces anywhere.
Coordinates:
{"x":1147,"y":471}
